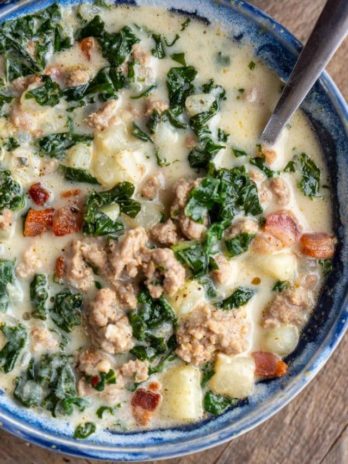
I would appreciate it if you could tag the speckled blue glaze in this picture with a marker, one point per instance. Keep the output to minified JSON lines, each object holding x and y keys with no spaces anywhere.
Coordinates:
{"x":329,"y":115}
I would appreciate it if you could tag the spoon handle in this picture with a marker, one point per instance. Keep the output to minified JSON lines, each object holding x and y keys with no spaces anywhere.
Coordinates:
{"x":328,"y":33}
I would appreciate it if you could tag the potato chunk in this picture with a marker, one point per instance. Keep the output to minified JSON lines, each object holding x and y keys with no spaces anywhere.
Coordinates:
{"x":280,"y":266}
{"x":234,"y":376}
{"x":182,"y":394}
{"x":281,"y":340}
{"x":188,"y":297}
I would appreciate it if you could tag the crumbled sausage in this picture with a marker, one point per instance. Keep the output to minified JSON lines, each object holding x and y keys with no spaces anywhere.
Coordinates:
{"x":150,"y":187}
{"x":191,"y":229}
{"x":42,"y":340}
{"x":165,"y":233}
{"x":136,"y":370}
{"x":76,"y":75}
{"x":140,"y":55}
{"x":22,"y":83}
{"x":223,"y":272}
{"x":291,"y":306}
{"x":126,"y":294}
{"x":77,"y":271}
{"x":269,"y":154}
{"x":163,"y":272}
{"x":109,"y":327}
{"x":92,"y":362}
{"x":24,"y":120}
{"x":104,"y":117}
{"x":280,"y":190}
{"x":206,"y":331}
{"x":6,"y":219}
{"x":242,"y":226}
{"x":30,"y":264}
{"x":155,"y":105}
{"x":94,"y":254}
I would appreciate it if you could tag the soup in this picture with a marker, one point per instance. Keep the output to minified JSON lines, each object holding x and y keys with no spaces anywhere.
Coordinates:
{"x":156,"y":260}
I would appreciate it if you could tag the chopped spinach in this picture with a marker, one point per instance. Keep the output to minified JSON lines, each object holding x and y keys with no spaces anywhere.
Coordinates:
{"x":55,"y":145}
{"x":6,"y":277}
{"x":102,"y":409}
{"x":11,"y":193}
{"x":11,"y":144}
{"x":83,"y":431}
{"x":216,"y":404}
{"x":310,"y":182}
{"x":173,"y":42}
{"x":185,"y":24}
{"x":179,"y":58}
{"x":252,"y":65}
{"x":78,"y":175}
{"x":159,"y":50}
{"x":16,"y":337}
{"x":104,"y":378}
{"x":209,"y":287}
{"x":180,"y":84}
{"x":239,"y":298}
{"x":326,"y":266}
{"x":207,"y":373}
{"x":47,"y":94}
{"x":239,"y":244}
{"x":98,"y":223}
{"x":145,"y":92}
{"x":66,"y":310}
{"x":238,"y":152}
{"x":259,"y":162}
{"x":39,"y":296}
{"x":194,"y":256}
{"x":281,"y":285}
{"x":290,"y":167}
{"x":140,"y":134}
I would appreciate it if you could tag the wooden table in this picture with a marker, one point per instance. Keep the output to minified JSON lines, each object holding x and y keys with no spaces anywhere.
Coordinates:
{"x":313,"y":429}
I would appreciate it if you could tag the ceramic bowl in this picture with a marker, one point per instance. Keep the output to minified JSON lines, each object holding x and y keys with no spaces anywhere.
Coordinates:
{"x":328,"y":113}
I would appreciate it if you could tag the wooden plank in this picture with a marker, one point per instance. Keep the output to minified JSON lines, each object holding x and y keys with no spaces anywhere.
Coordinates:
{"x":313,"y":428}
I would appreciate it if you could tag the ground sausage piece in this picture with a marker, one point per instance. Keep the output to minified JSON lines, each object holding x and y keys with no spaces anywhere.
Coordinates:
{"x":77,"y":272}
{"x":42,"y":340}
{"x":223,"y":272}
{"x":104,"y":117}
{"x":126,"y":257}
{"x":160,"y":265}
{"x":109,"y":327}
{"x":93,"y":362}
{"x":140,"y":55}
{"x":150,"y":187}
{"x":165,"y":233}
{"x":30,"y":264}
{"x":242,"y":226}
{"x":269,"y":154}
{"x":280,"y":189}
{"x":6,"y":219}
{"x":155,"y":105}
{"x":94,"y":254}
{"x":22,"y":83}
{"x":206,"y":331}
{"x":136,"y":370}
{"x":76,"y":75}
{"x":291,"y":306}
{"x":126,"y":294}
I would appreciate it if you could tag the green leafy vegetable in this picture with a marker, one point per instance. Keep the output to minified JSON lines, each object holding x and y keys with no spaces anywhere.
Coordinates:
{"x":47,"y":94}
{"x":194,"y":256}
{"x":185,"y":24}
{"x":78,"y":175}
{"x":238,"y":152}
{"x":15,"y":340}
{"x":179,"y":58}
{"x":11,"y":144}
{"x":251,"y":65}
{"x":207,"y":373}
{"x":39,"y":296}
{"x":290,"y":167}
{"x":103,"y":409}
{"x":98,"y":223}
{"x":6,"y":277}
{"x":159,"y":50}
{"x":310,"y":182}
{"x":326,"y":266}
{"x":281,"y":285}
{"x":11,"y":194}
{"x":217,"y":404}
{"x":145,"y":92}
{"x":140,"y":134}
{"x":55,"y":145}
{"x":238,"y":244}
{"x":239,"y":297}
{"x":180,"y":84}
{"x":104,"y":378}
{"x":259,"y":162}
{"x":83,"y":431}
{"x":66,"y":310}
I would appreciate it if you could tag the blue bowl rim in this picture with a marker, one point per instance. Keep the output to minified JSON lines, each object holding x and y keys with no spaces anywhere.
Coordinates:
{"x":317,"y":360}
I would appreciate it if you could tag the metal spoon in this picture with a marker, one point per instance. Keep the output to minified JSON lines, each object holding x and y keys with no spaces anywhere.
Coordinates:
{"x":328,"y":33}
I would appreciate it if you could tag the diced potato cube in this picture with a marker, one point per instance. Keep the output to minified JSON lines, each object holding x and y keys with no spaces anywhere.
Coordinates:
{"x":149,"y":215}
{"x":112,"y":211}
{"x":280,"y":266}
{"x":196,"y":104}
{"x":182,"y":394}
{"x":79,"y":156}
{"x":189,"y":297}
{"x":281,"y":340}
{"x":234,"y":376}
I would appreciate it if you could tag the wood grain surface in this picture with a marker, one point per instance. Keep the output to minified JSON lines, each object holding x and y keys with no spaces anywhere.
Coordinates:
{"x":313,"y":429}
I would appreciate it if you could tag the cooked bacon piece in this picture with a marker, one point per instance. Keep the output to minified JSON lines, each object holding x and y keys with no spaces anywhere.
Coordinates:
{"x":38,"y":194}
{"x":318,"y":245}
{"x":59,"y":268}
{"x":284,"y":226}
{"x":67,"y":220}
{"x":144,"y":403}
{"x":38,"y":221}
{"x":87,"y":46}
{"x":70,"y":193}
{"x":268,"y":365}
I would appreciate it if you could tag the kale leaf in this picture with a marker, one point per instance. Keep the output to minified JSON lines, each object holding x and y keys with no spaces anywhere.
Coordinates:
{"x":309,"y":183}
{"x":66,"y":310}
{"x":207,"y":373}
{"x":11,"y":194}
{"x":194,"y":256}
{"x":98,"y":223}
{"x":83,"y":431}
{"x":6,"y":277}
{"x":239,"y":298}
{"x":159,"y":50}
{"x":39,"y":296}
{"x":281,"y":285}
{"x":78,"y":175}
{"x":16,"y":337}
{"x":55,"y":145}
{"x":216,"y":404}
{"x":180,"y":84}
{"x":259,"y":162}
{"x":47,"y":94}
{"x":239,"y":244}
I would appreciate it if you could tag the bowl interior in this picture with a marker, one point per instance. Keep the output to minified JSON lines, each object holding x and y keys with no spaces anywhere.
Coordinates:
{"x":328,"y":113}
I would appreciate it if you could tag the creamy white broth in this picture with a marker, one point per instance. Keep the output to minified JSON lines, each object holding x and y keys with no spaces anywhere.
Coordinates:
{"x":116,"y":156}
